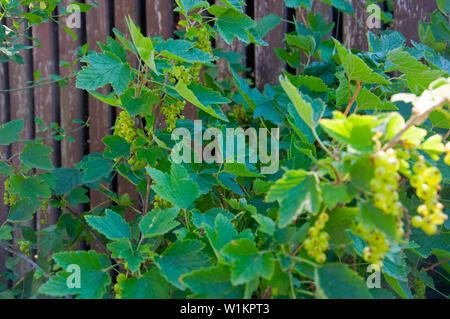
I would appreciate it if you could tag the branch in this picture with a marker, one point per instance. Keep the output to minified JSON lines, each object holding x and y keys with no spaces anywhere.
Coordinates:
{"x":416,"y":119}
{"x":355,"y":96}
{"x":31,"y":262}
{"x":435,"y":265}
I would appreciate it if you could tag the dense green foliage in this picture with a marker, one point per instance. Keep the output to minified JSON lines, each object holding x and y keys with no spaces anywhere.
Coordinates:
{"x":363,"y":176}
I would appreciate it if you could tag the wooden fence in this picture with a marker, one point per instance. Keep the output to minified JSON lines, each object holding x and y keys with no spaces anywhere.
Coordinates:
{"x":155,"y":17}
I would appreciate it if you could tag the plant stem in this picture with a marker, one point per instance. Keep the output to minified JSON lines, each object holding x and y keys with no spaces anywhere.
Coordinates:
{"x":352,"y":101}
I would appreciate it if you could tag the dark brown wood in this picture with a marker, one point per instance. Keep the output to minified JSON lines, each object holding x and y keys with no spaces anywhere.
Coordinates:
{"x":408,"y":14}
{"x":70,"y":98}
{"x":355,"y":29}
{"x":159,"y":17}
{"x":267,"y":65}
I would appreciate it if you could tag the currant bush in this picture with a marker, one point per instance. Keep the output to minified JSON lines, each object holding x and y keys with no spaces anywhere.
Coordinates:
{"x":317,"y":242}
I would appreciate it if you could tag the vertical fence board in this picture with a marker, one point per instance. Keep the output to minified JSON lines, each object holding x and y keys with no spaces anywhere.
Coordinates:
{"x":159,"y":17}
{"x":70,"y":98}
{"x":4,"y":117}
{"x":355,"y":29}
{"x":325,"y":9}
{"x":408,"y":13}
{"x":267,"y":64}
{"x":22,"y":108}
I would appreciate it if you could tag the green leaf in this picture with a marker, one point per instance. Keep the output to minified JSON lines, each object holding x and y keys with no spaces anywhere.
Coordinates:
{"x":31,"y":187}
{"x":341,"y":5}
{"x":248,"y":263}
{"x":400,"y":287}
{"x":427,"y":245}
{"x":24,"y":210}
{"x":9,"y":132}
{"x":173,"y":187}
{"x":267,"y":225}
{"x":297,"y":192}
{"x":209,"y":217}
{"x":38,"y":156}
{"x":337,"y":281}
{"x":143,"y":105}
{"x":182,"y":258}
{"x":117,"y":147}
{"x":307,"y":43}
{"x":267,"y":24}
{"x":297,"y":3}
{"x":112,"y":225}
{"x":219,"y":236}
{"x":372,"y":217}
{"x":239,"y":169}
{"x":123,"y":249}
{"x":356,"y":69}
{"x":143,"y":45}
{"x":304,"y":109}
{"x":334,"y":194}
{"x":66,"y":180}
{"x":367,"y":101}
{"x":5,"y":169}
{"x":150,"y":286}
{"x":96,"y":168}
{"x":189,"y":5}
{"x":433,"y":146}
{"x":159,"y":222}
{"x":203,"y":98}
{"x":104,"y":68}
{"x":182,"y":50}
{"x":232,"y":23}
{"x":5,"y":232}
{"x":355,"y":131}
{"x":78,"y":196}
{"x":341,"y":219}
{"x":213,"y":283}
{"x":93,"y":277}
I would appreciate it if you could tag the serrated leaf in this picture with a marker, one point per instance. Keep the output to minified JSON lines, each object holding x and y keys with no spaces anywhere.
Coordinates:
{"x":356,"y":131}
{"x":38,"y":156}
{"x":341,"y":219}
{"x":297,"y":3}
{"x":112,"y":225}
{"x":248,"y":263}
{"x":123,"y":249}
{"x":182,"y":258}
{"x":150,"y":286}
{"x":66,"y":180}
{"x":222,"y":234}
{"x":367,"y":101}
{"x":240,"y":169}
{"x":5,"y":232}
{"x":356,"y":69}
{"x":297,"y":192}
{"x":104,"y":68}
{"x":143,"y":45}
{"x":203,"y":98}
{"x":9,"y":132}
{"x":173,"y":187}
{"x":23,"y":210}
{"x":118,"y":147}
{"x":372,"y":217}
{"x":337,"y":281}
{"x":232,"y":23}
{"x":159,"y":222}
{"x":334,"y":194}
{"x":182,"y":50}
{"x":213,"y":283}
{"x":267,"y":225}
{"x":209,"y":217}
{"x":304,"y":109}
{"x":93,"y":277}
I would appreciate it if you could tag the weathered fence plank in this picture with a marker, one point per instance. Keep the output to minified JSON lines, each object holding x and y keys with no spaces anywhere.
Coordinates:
{"x":355,"y":29}
{"x":267,"y":63}
{"x":408,"y":13}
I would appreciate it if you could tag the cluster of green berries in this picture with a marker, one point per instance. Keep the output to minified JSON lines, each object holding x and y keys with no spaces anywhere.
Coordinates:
{"x":172,"y":112}
{"x":377,"y":247}
{"x":25,"y":247}
{"x":385,"y":183}
{"x":160,"y":203}
{"x":125,"y":127}
{"x":317,"y":242}
{"x":8,"y":198}
{"x":183,"y":73}
{"x":426,"y":181}
{"x":117,"y":288}
{"x":204,"y":40}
